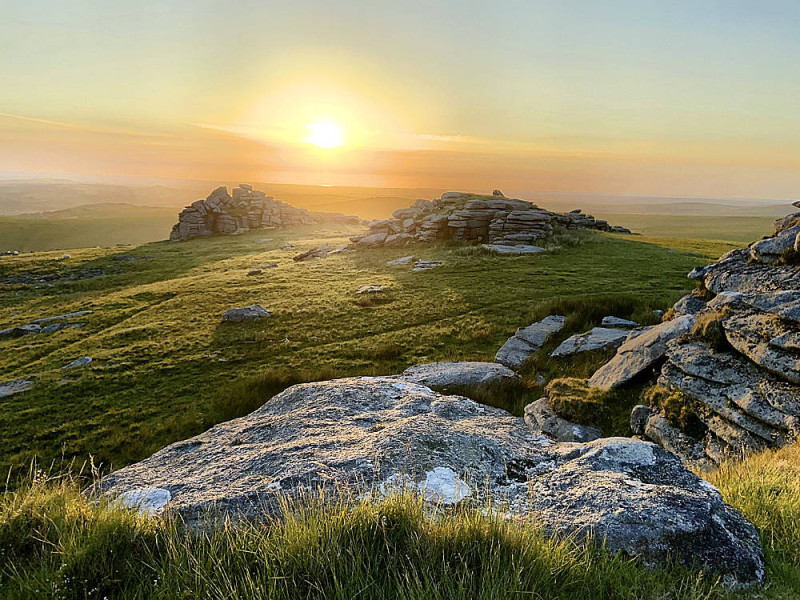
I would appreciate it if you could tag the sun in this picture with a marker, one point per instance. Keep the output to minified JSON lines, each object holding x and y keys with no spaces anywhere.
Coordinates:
{"x":324,"y":134}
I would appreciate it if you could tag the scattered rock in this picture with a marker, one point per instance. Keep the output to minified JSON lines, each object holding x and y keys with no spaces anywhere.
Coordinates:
{"x":618,"y":322}
{"x":639,"y":353}
{"x":247,"y":313}
{"x":447,"y":375}
{"x":370,"y":289}
{"x":81,"y":362}
{"x":528,"y":340}
{"x":425,"y":265}
{"x":21,"y":330}
{"x":521,"y":249}
{"x":402,"y":261}
{"x":9,"y":388}
{"x":318,"y":252}
{"x":598,"y":338}
{"x":539,"y":417}
{"x":353,"y":437}
{"x":254,"y":272}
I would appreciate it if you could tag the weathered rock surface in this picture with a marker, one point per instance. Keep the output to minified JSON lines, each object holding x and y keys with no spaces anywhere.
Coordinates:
{"x":508,"y":249}
{"x":426,"y":265}
{"x":539,"y":417}
{"x":80,"y":362}
{"x":402,"y":261}
{"x":446,"y":375}
{"x":598,"y":338}
{"x":738,"y":375}
{"x":611,"y":321}
{"x":528,"y":340}
{"x":9,"y":388}
{"x":253,"y":312}
{"x":640,"y":352}
{"x":356,"y":436}
{"x":370,"y":289}
{"x":243,"y":210}
{"x":505,"y":225}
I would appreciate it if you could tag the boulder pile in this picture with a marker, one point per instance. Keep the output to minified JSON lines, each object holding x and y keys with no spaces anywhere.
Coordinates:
{"x":351,"y":438}
{"x":727,"y":358}
{"x":243,"y":210}
{"x":495,"y":220}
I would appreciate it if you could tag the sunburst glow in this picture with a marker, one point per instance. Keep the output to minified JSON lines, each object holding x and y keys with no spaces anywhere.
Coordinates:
{"x":324,"y":134}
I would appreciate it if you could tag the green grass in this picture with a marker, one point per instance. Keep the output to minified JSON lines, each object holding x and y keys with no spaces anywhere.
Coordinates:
{"x":95,"y":225}
{"x":744,"y":229}
{"x":58,"y":543}
{"x":162,"y":359}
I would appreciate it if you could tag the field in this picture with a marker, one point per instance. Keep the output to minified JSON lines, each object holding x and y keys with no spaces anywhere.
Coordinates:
{"x":85,"y":226}
{"x":164,"y":365}
{"x":165,"y":368}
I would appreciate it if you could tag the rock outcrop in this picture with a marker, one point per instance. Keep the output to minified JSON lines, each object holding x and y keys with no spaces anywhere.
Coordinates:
{"x":528,"y":340}
{"x":243,"y":210}
{"x":729,"y":357}
{"x":501,"y":223}
{"x":362,"y":436}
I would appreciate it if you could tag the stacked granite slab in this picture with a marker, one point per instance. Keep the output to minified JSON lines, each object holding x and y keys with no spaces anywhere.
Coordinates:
{"x":740,"y":385}
{"x":242,"y":210}
{"x":495,"y":220}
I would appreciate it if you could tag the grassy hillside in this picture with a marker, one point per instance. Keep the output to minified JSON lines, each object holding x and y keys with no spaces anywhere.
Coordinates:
{"x":85,"y":226}
{"x":164,"y":365}
{"x":165,"y":368}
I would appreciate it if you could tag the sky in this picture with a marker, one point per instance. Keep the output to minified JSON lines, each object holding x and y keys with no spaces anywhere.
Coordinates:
{"x":695,"y":98}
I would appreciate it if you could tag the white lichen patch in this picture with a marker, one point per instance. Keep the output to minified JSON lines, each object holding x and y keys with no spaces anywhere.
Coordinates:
{"x":442,"y":485}
{"x":149,"y":501}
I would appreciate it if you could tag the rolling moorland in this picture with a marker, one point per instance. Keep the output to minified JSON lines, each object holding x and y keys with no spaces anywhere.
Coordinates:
{"x":165,"y":368}
{"x":52,"y":215}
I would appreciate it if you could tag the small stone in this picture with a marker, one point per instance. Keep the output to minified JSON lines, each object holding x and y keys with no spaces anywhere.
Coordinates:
{"x":81,"y":362}
{"x":618,"y":322}
{"x":370,"y":289}
{"x":402,"y":261}
{"x":9,"y":388}
{"x":253,"y":272}
{"x":253,"y":312}
{"x":425,"y":265}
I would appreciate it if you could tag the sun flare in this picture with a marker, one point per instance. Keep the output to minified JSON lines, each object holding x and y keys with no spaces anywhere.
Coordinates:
{"x":324,"y":134}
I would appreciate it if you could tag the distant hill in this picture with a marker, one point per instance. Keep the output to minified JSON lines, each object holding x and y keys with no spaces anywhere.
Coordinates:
{"x":85,"y":226}
{"x":44,"y":214}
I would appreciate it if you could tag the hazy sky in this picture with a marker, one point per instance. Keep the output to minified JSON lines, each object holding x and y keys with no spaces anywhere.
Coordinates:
{"x":661,"y":97}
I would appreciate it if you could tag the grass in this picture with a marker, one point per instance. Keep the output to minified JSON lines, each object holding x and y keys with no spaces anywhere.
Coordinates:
{"x":58,"y":543}
{"x":164,"y":364}
{"x":99,"y":225}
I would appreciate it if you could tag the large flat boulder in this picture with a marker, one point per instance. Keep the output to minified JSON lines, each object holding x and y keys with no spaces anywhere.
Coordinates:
{"x":359,"y":436}
{"x":527,"y":340}
{"x":445,"y":375}
{"x":640,"y":352}
{"x":597,"y":338}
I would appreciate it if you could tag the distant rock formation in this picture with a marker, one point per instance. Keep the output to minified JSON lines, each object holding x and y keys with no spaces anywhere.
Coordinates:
{"x":494,"y":219}
{"x":246,"y":209}
{"x":728,"y":358}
